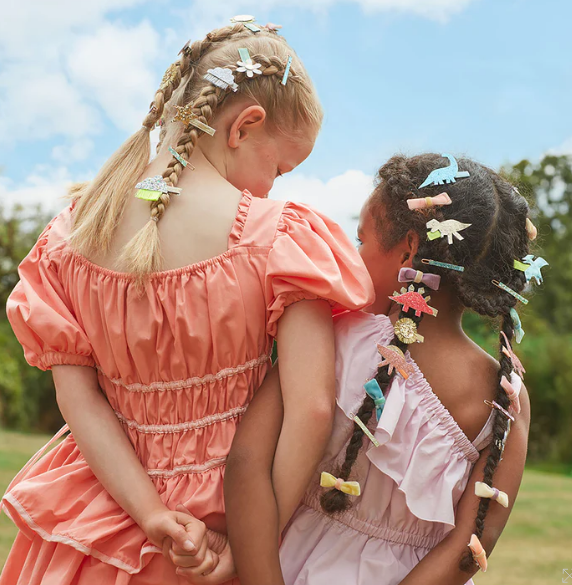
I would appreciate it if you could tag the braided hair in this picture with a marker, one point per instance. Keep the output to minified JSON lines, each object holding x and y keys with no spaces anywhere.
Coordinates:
{"x":497,"y":236}
{"x":292,"y":108}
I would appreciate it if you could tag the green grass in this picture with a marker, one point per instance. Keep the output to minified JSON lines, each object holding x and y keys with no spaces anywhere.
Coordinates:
{"x":533,"y":550}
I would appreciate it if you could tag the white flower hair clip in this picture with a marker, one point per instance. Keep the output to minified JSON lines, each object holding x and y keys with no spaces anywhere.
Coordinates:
{"x":249,"y":67}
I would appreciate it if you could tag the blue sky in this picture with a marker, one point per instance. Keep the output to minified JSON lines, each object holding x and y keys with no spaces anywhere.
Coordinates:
{"x":488,"y":78}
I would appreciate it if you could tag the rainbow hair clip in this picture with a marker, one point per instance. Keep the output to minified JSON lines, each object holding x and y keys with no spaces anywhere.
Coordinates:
{"x":478,"y":552}
{"x":482,"y":490}
{"x":531,"y":267}
{"x":411,"y":275}
{"x":412,"y":299}
{"x":444,"y":175}
{"x":393,"y":358}
{"x":427,"y":202}
{"x":449,"y":228}
{"x":352,"y":488}
{"x":373,"y":390}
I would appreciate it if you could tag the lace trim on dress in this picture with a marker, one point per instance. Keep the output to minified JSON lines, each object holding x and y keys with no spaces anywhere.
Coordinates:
{"x":182,"y":469}
{"x":182,"y":427}
{"x":190,"y":382}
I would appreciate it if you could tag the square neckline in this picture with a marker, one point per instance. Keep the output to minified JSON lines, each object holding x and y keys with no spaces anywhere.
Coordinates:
{"x":242,"y":209}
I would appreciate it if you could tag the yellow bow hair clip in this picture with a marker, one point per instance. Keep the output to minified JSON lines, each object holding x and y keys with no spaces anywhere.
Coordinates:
{"x":348,"y":487}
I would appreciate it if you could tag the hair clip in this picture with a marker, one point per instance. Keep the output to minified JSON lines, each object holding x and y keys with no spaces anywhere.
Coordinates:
{"x":373,"y":390}
{"x":180,"y":158}
{"x":406,"y":331}
{"x":287,"y":70}
{"x":393,"y":358}
{"x":518,"y":330}
{"x":169,"y":76}
{"x":365,"y":430}
{"x":412,"y":275}
{"x":351,"y":488}
{"x":478,"y":552}
{"x":185,"y":114}
{"x":501,"y":443}
{"x":244,"y":54}
{"x":247,"y":20}
{"x":272,"y":27}
{"x":531,"y":230}
{"x":512,"y":391}
{"x":482,"y":490}
{"x":249,"y":67}
{"x":443,"y":265}
{"x":425,"y":202}
{"x":186,"y":47}
{"x":445,"y":174}
{"x":509,"y":290}
{"x":531,"y":267}
{"x":151,"y":188}
{"x":412,"y":299}
{"x":508,"y":351}
{"x":221,"y":77}
{"x":449,"y":228}
{"x":496,"y":405}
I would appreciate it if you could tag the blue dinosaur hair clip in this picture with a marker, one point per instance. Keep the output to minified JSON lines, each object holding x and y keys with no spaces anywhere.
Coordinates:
{"x":445,"y":174}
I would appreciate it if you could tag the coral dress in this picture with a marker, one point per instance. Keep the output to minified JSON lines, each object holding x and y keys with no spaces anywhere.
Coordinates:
{"x":410,"y":484}
{"x":179,"y":366}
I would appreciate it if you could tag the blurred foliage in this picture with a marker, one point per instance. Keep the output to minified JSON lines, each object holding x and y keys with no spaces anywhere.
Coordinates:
{"x":27,"y":396}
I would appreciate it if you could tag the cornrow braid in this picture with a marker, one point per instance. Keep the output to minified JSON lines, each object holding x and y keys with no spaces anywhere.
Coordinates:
{"x":334,"y":501}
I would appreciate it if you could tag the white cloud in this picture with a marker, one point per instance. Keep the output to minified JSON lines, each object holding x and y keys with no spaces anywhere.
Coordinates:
{"x":75,"y":151}
{"x":564,"y":148}
{"x":340,"y":198}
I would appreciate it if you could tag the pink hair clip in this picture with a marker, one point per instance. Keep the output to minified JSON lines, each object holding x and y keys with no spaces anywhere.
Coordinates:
{"x":272,"y":27}
{"x":412,"y":275}
{"x":393,"y":358}
{"x":478,"y":552}
{"x":508,"y":351}
{"x":425,"y":202}
{"x":512,"y":391}
{"x":412,"y":299}
{"x":496,"y":405}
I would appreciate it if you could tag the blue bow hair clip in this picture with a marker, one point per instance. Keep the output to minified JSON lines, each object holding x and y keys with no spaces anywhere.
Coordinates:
{"x":445,"y":174}
{"x":518,"y":330}
{"x":373,"y":390}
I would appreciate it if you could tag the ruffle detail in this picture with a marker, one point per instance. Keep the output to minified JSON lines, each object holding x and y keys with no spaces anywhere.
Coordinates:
{"x":240,"y":219}
{"x":84,"y":516}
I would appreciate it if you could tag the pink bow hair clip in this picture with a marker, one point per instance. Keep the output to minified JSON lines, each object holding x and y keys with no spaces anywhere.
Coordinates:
{"x":478,"y":552}
{"x":512,"y":390}
{"x":426,"y":202}
{"x":412,"y":275}
{"x":508,"y":351}
{"x":272,"y":27}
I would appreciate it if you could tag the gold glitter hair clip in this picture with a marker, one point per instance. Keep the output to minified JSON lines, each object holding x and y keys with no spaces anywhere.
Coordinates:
{"x":185,"y":114}
{"x":406,"y":331}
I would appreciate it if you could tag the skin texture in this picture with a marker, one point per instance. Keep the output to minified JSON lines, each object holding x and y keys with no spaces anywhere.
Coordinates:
{"x":244,"y":154}
{"x":446,"y":343}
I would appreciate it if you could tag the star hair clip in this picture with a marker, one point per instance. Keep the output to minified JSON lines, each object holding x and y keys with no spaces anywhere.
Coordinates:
{"x":185,"y":114}
{"x":444,"y":175}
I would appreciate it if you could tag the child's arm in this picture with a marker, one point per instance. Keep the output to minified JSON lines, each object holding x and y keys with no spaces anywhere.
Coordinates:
{"x":295,"y":444}
{"x":441,"y":565}
{"x":111,"y":457}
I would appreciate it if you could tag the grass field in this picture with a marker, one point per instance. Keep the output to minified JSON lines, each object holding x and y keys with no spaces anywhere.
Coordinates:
{"x":534,"y":550}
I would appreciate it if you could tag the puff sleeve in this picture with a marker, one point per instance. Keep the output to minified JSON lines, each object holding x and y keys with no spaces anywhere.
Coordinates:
{"x":41,"y":315}
{"x":312,"y":258}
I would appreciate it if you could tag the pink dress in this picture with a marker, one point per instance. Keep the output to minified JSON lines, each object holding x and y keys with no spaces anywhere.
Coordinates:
{"x":410,"y":484}
{"x":178,"y":365}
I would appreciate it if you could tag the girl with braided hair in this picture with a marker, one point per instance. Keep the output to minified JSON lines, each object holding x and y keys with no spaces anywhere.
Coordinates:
{"x":156,"y":308}
{"x":423,"y":413}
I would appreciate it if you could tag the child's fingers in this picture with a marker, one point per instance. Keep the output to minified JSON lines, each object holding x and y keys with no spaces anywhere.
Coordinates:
{"x":197,"y":575}
{"x":180,"y":536}
{"x":187,"y":560}
{"x":194,"y":529}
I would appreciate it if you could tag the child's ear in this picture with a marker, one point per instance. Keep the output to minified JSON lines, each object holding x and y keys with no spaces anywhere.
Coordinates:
{"x":248,"y":120}
{"x":410,"y":247}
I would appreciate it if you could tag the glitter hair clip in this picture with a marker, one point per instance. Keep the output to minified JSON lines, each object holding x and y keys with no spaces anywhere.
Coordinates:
{"x":496,"y":405}
{"x":373,"y":390}
{"x":531,"y":230}
{"x":508,"y":351}
{"x":412,"y":275}
{"x":512,"y":390}
{"x":478,"y":552}
{"x":444,"y":175}
{"x":443,"y":265}
{"x":183,"y":162}
{"x":449,"y":228}
{"x":169,"y":76}
{"x":249,"y":67}
{"x":352,"y":488}
{"x":221,"y":77}
{"x":151,"y":188}
{"x":247,"y":20}
{"x":509,"y":290}
{"x":185,"y":114}
{"x":482,"y":490}
{"x":365,"y":430}
{"x":426,"y":202}
{"x":393,"y":358}
{"x":406,"y":331}
{"x":287,"y":70}
{"x":518,"y":330}
{"x":412,"y":299}
{"x":272,"y":27}
{"x":531,"y":267}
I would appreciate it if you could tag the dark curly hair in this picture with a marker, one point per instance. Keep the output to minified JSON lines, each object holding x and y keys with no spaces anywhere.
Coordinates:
{"x":497,"y":236}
